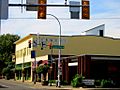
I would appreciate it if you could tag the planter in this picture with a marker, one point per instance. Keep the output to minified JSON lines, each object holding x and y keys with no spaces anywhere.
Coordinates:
{"x":44,"y":83}
{"x":50,"y":84}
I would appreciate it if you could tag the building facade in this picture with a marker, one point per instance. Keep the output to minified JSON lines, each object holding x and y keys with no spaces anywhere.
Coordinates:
{"x":72,"y":46}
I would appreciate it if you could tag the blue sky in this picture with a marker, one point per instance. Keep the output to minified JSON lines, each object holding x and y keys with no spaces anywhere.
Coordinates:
{"x":102,"y":12}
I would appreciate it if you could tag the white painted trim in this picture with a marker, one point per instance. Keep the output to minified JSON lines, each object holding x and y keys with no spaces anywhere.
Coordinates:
{"x":104,"y":58}
{"x":73,"y":64}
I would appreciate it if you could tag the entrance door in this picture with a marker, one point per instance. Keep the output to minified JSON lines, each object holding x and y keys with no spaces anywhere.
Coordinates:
{"x":72,"y":72}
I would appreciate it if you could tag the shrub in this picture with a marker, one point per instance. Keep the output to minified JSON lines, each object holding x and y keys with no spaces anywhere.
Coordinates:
{"x":44,"y":83}
{"x":64,"y":82}
{"x":52,"y":81}
{"x":77,"y":81}
{"x":43,"y":69}
{"x":107,"y":83}
{"x":6,"y":72}
{"x":97,"y":82}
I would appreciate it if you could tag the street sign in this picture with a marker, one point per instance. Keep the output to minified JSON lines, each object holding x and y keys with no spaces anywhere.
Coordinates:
{"x":33,"y":54}
{"x":57,"y":47}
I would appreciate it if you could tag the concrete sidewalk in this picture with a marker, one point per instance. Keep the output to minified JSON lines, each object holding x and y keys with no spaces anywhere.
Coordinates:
{"x":39,"y":86}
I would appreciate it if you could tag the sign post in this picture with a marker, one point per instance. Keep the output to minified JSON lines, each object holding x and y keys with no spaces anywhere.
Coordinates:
{"x":33,"y":55}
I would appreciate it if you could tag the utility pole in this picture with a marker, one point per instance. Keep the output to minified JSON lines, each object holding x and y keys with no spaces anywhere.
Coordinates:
{"x":35,"y":76}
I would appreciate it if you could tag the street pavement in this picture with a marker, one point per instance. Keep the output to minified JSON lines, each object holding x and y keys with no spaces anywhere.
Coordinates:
{"x":18,"y":85}
{"x":10,"y":85}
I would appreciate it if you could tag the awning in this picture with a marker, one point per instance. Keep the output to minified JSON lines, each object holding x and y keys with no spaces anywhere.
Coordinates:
{"x":26,"y":66}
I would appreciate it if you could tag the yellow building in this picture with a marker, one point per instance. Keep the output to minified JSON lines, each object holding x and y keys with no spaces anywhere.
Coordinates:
{"x":72,"y":45}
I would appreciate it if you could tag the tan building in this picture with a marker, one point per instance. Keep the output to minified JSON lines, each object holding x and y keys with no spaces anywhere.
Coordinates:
{"x":73,"y":45}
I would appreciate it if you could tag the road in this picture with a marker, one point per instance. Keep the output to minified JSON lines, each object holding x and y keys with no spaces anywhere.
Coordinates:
{"x":7,"y":85}
{"x":15,"y":85}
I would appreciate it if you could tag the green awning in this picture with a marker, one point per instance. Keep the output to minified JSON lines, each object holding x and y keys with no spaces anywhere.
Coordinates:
{"x":18,"y":68}
{"x":26,"y":66}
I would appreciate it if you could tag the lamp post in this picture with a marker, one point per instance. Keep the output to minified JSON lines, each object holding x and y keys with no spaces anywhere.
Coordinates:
{"x":35,"y":75}
{"x":23,"y":67}
{"x":58,"y":82}
{"x":14,"y":60}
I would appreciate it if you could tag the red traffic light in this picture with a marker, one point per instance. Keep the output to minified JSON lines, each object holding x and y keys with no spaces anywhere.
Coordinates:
{"x":50,"y":45}
{"x":29,"y":43}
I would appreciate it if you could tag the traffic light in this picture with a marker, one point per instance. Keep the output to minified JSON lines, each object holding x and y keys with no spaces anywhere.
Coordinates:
{"x":29,"y":43}
{"x":50,"y":45}
{"x":43,"y":45}
{"x":42,"y":9}
{"x":85,"y":9}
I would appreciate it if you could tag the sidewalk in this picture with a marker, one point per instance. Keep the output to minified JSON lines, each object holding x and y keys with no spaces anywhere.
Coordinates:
{"x":39,"y":86}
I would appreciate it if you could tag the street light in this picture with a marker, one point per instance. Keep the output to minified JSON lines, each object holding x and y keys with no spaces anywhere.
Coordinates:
{"x":23,"y":70}
{"x":58,"y":83}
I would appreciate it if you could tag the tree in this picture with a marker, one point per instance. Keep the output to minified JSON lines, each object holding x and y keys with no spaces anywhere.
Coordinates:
{"x":7,"y":48}
{"x":6,"y":72}
{"x":43,"y":69}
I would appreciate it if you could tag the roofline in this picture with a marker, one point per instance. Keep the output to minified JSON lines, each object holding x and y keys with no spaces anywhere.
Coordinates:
{"x":101,"y":55}
{"x":30,"y":35}
{"x":96,"y":36}
{"x":94,"y":27}
{"x":23,"y":38}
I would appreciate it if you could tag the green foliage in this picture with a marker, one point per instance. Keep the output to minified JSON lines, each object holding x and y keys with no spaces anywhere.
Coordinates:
{"x":43,"y":69}
{"x":64,"y":82}
{"x":39,"y":79}
{"x":77,"y":80}
{"x":6,"y":71}
{"x":7,"y":48}
{"x":39,"y":69}
{"x":106,"y":83}
{"x":44,"y":82}
{"x":52,"y":81}
{"x":97,"y":82}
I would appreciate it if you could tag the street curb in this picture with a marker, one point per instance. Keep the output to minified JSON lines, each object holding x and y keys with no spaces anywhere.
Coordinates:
{"x":39,"y":86}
